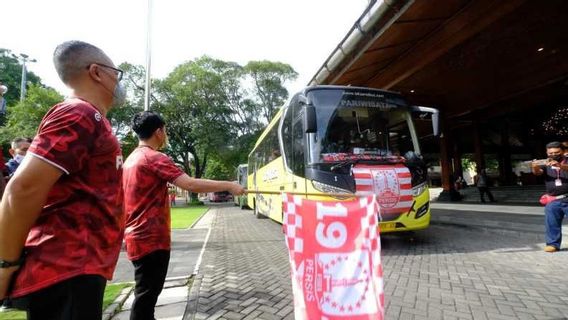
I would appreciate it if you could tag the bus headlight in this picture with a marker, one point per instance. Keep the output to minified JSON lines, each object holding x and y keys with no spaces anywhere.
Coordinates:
{"x":417,"y":190}
{"x":326,"y":188}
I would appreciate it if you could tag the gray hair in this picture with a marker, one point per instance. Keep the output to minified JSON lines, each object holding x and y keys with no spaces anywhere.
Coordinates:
{"x":73,"y":57}
{"x":16,"y":142}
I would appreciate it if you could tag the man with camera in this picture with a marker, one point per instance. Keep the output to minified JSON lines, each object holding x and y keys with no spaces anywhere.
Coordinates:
{"x":555,"y":171}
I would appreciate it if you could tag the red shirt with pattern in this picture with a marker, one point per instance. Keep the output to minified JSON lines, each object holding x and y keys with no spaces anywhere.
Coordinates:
{"x":2,"y":165}
{"x":79,"y":230}
{"x":145,"y":182}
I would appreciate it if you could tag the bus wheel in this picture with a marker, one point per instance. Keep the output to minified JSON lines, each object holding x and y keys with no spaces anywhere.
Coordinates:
{"x":257,"y":213}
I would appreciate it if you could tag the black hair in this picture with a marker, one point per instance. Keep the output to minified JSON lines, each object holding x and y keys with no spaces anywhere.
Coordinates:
{"x":554,"y":144}
{"x":146,"y":123}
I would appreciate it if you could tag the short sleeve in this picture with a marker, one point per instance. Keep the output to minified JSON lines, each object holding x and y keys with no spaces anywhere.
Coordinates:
{"x":164,"y":167}
{"x":66,"y":136}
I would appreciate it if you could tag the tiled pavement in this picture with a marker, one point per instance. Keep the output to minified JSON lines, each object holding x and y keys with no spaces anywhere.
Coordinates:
{"x":445,"y":272}
{"x":244,"y":273}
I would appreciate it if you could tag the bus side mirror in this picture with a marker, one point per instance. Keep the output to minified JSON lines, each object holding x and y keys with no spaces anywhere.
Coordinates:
{"x":310,"y":120}
{"x":434,"y":113}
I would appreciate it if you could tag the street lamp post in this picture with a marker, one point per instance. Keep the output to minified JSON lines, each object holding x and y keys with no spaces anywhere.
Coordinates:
{"x":25,"y":58}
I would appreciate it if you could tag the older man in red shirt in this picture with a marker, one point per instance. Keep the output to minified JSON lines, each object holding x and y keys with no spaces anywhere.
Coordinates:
{"x":61,"y":219}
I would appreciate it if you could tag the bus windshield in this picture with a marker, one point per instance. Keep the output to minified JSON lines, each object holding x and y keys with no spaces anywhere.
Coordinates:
{"x":355,"y":126}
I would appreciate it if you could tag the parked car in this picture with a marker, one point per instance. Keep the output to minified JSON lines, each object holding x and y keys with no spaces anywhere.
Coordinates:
{"x":220,"y":196}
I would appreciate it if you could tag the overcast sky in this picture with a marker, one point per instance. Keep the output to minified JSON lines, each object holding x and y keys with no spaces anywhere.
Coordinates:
{"x":301,"y":33}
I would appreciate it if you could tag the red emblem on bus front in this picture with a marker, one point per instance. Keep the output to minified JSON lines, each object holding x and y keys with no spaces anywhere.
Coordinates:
{"x":387,"y":187}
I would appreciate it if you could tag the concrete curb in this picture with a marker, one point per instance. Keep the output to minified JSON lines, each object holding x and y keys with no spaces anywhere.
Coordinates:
{"x":198,"y":219}
{"x":193,"y":299}
{"x":115,"y":306}
{"x":531,"y":231}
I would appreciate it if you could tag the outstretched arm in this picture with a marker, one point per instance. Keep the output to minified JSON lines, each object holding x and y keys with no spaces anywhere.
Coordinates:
{"x":203,"y":185}
{"x":536,"y":169}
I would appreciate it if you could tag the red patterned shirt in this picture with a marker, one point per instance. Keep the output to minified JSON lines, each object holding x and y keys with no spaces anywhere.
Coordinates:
{"x":145,"y":180}
{"x":80,"y":227}
{"x":2,"y":165}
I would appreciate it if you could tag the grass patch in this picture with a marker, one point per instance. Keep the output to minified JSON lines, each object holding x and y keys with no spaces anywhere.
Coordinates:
{"x":13,"y":315}
{"x":182,"y":218}
{"x":111,"y":292}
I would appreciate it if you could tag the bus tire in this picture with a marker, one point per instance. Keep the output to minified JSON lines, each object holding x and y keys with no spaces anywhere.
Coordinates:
{"x":257,"y":213}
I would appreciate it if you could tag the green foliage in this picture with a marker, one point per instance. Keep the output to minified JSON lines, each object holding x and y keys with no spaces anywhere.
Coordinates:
{"x":196,"y":100}
{"x":268,"y":79}
{"x":11,"y":76}
{"x":24,"y":118}
{"x":218,"y":170}
{"x":214,"y":110}
{"x":468,"y":162}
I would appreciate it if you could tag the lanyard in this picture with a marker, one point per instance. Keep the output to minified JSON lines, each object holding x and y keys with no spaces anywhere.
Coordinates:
{"x":557,"y":169}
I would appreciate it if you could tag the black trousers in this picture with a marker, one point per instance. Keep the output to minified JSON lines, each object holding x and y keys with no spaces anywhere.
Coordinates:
{"x":78,"y":298}
{"x":150,"y":274}
{"x":483,"y":190}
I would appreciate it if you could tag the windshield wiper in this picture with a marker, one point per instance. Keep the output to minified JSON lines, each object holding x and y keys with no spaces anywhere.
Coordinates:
{"x":343,"y":164}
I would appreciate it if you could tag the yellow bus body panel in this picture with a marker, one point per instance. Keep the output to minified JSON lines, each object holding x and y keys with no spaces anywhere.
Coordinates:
{"x":271,"y":205}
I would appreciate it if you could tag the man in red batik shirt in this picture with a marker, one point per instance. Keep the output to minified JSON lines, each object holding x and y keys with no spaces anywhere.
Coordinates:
{"x":145,"y":181}
{"x":61,"y":219}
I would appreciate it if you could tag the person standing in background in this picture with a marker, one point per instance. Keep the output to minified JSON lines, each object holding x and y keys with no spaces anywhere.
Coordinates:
{"x":482,"y":183}
{"x":18,"y":151}
{"x":3,"y":106}
{"x":555,"y":172}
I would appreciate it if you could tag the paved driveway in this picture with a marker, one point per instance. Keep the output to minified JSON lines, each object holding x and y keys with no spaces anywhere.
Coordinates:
{"x":445,"y":272}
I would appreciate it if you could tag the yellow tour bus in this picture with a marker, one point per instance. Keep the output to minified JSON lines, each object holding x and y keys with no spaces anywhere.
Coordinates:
{"x":335,"y":142}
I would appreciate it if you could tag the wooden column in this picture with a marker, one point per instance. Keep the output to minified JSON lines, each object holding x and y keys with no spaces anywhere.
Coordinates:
{"x":457,"y":159}
{"x":449,"y":193}
{"x":477,"y":144}
{"x":505,"y":167}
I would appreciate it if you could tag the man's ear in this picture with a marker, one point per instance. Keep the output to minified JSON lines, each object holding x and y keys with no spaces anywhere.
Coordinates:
{"x":94,"y":72}
{"x":12,"y":152}
{"x":157,"y":132}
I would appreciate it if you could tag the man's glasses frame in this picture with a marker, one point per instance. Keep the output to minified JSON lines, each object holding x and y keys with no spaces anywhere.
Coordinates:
{"x":119,"y":73}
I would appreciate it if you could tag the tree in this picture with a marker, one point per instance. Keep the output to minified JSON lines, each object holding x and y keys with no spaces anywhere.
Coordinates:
{"x":11,"y":76}
{"x":24,"y":118}
{"x":212,"y":120}
{"x":268,"y":82}
{"x":218,"y":170}
{"x":198,"y":99}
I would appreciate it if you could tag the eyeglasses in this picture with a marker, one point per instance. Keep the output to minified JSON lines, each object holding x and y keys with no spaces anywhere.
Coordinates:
{"x":119,"y":72}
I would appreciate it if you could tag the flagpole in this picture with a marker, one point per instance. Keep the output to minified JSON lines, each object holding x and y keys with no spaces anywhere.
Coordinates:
{"x":148,"y":57}
{"x":335,"y":195}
